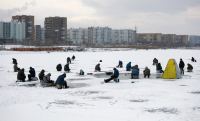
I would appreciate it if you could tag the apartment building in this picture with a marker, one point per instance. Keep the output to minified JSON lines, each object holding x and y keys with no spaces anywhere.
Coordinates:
{"x":29,"y":24}
{"x":37,"y":33}
{"x":55,"y":28}
{"x":182,"y":39}
{"x":194,"y":40}
{"x":99,"y":35}
{"x":77,"y":36}
{"x":169,"y":38}
{"x":4,"y":29}
{"x":18,"y":30}
{"x":42,"y":34}
{"x":149,"y":37}
{"x":124,"y":36}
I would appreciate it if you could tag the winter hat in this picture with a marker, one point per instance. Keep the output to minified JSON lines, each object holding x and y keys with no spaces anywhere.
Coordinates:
{"x":114,"y":68}
{"x":30,"y":67}
{"x":49,"y":74}
{"x":81,"y":70}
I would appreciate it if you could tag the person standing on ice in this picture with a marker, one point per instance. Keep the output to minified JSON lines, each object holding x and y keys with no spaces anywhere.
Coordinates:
{"x":97,"y":67}
{"x":73,"y":57}
{"x":115,"y":75}
{"x":32,"y":73}
{"x":181,"y":66}
{"x":59,"y":67}
{"x":14,"y":61}
{"x":21,"y":76}
{"x":61,"y":82}
{"x":120,"y":64}
{"x":68,"y":60}
{"x":146,"y":72}
{"x":128,"y":67}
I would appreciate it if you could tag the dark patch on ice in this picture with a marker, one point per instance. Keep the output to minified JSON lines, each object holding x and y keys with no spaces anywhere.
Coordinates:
{"x":103,"y":97}
{"x":196,"y":108}
{"x":63,"y":102}
{"x":196,"y":92}
{"x":183,"y":85}
{"x":163,"y":110}
{"x":77,"y":85}
{"x":84,"y":93}
{"x":138,"y":100}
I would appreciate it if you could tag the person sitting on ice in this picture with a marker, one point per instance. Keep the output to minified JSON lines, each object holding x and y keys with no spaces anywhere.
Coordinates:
{"x":115,"y":75}
{"x":81,"y":72}
{"x":59,"y":67}
{"x":15,"y":67}
{"x":120,"y":64}
{"x":14,"y":61}
{"x":32,"y":73}
{"x":47,"y":79}
{"x":146,"y":72}
{"x":135,"y":72}
{"x":128,"y":67}
{"x":155,"y":61}
{"x":68,"y":60}
{"x":66,"y":68}
{"x":190,"y":67}
{"x":159,"y":68}
{"x":60,"y":82}
{"x":97,"y":67}
{"x":21,"y":76}
{"x":41,"y":75}
{"x":193,"y":60}
{"x":73,"y":57}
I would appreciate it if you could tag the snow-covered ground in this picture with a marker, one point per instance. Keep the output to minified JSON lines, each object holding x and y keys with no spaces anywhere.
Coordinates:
{"x":88,"y":99}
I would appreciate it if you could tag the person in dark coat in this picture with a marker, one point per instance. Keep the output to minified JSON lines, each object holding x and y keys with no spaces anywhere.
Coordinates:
{"x":14,"y":61}
{"x":192,"y":59}
{"x":15,"y":68}
{"x":115,"y":75}
{"x":60,"y":81}
{"x":41,"y":75}
{"x":190,"y":67}
{"x":135,"y":72}
{"x":47,"y":79}
{"x":159,"y":68}
{"x":59,"y":67}
{"x":120,"y":64}
{"x":181,"y":66}
{"x":128,"y":67}
{"x":81,"y":72}
{"x":21,"y":76}
{"x":146,"y":72}
{"x":155,"y":61}
{"x":97,"y":67}
{"x":73,"y":57}
{"x":68,"y":60}
{"x":66,"y":68}
{"x":32,"y":73}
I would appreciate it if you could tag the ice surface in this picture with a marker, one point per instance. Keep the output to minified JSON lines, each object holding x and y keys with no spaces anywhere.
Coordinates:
{"x":89,"y":99}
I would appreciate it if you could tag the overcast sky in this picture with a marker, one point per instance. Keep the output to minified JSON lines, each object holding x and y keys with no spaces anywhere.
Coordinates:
{"x":150,"y":16}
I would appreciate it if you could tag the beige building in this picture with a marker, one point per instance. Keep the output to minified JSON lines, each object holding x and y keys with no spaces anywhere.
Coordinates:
{"x":149,"y":37}
{"x":182,"y":38}
{"x":169,"y":38}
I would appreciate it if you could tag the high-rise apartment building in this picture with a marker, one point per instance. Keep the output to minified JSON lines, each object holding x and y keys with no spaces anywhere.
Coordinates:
{"x":37,"y":36}
{"x":18,"y":30}
{"x":55,"y":28}
{"x":182,"y":39}
{"x":4,"y":29}
{"x":29,"y":23}
{"x":77,"y":36}
{"x":169,"y":38}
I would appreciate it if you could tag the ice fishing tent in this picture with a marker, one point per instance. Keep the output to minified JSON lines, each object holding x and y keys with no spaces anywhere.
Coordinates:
{"x":171,"y":70}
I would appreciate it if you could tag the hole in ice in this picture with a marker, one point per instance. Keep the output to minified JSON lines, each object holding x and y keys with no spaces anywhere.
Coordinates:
{"x":183,"y":85}
{"x":163,"y":110}
{"x":77,"y":85}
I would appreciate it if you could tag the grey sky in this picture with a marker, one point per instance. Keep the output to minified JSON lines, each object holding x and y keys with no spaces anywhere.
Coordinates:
{"x":150,"y":16}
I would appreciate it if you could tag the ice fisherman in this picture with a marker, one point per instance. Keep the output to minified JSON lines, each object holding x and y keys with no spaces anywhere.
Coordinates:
{"x":115,"y":75}
{"x":68,"y":60}
{"x":32,"y":73}
{"x":61,"y":82}
{"x":21,"y":76}
{"x":15,"y":67}
{"x":120,"y":64}
{"x":97,"y":67}
{"x":59,"y":67}
{"x":159,"y":68}
{"x":193,"y":60}
{"x":146,"y":72}
{"x":190,"y":67}
{"x":181,"y":66}
{"x":81,"y":72}
{"x":14,"y":61}
{"x":73,"y":57}
{"x":66,"y":68}
{"x":135,"y":72}
{"x":155,"y":61}
{"x":128,"y":67}
{"x":41,"y":75}
{"x":47,"y":79}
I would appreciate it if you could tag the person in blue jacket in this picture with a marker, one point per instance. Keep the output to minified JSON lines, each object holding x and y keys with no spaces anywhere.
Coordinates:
{"x":60,"y":81}
{"x":128,"y":67}
{"x":120,"y":64}
{"x":135,"y":72}
{"x":32,"y":73}
{"x":115,"y":75}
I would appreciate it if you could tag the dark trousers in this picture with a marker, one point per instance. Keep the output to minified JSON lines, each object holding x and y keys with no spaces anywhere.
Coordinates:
{"x":29,"y":77}
{"x":128,"y":69}
{"x":111,"y":78}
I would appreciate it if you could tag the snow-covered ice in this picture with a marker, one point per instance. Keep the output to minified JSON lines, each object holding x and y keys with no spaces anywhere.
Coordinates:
{"x":88,"y":99}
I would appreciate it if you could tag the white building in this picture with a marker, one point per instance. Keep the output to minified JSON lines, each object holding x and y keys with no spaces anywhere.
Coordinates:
{"x":123,"y":36}
{"x":193,"y":39}
{"x":18,"y":31}
{"x":77,"y":36}
{"x":99,"y":35}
